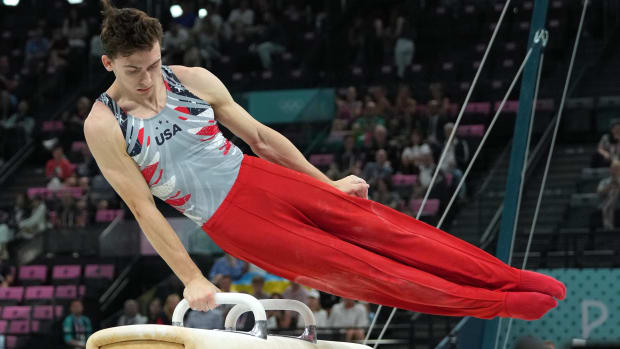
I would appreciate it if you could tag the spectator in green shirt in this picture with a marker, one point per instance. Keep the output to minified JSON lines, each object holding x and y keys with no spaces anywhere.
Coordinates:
{"x":76,"y":327}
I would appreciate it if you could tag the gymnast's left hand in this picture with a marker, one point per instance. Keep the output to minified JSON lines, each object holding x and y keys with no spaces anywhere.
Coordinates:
{"x":200,"y":294}
{"x":353,"y":185}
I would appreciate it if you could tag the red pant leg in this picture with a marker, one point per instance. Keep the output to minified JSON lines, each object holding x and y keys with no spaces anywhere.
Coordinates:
{"x":385,"y":231}
{"x":269,"y":229}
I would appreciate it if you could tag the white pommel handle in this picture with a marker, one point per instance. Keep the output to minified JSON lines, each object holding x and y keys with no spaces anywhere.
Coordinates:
{"x":246,"y":300}
{"x":272,"y":304}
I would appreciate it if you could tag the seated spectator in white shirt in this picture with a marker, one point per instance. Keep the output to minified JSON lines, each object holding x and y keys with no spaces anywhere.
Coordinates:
{"x":131,"y":316}
{"x":242,"y":14}
{"x":206,"y":320}
{"x":37,"y":222}
{"x":320,"y":315}
{"x":350,"y":315}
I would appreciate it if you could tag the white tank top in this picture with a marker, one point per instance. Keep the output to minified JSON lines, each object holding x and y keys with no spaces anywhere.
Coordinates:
{"x":183,"y":156}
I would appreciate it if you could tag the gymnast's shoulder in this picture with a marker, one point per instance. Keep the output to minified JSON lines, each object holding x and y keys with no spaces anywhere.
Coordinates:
{"x":202,"y":83}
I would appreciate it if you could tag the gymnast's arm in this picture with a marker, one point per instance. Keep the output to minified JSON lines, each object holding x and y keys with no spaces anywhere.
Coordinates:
{"x":264,"y":141}
{"x":106,"y":143}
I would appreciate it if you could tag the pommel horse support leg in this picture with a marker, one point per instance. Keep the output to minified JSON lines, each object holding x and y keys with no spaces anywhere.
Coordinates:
{"x":179,"y":337}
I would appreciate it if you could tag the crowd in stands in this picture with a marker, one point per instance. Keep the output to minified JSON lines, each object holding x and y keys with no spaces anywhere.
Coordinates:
{"x":386,"y":138}
{"x":347,"y":317}
{"x":608,"y":156}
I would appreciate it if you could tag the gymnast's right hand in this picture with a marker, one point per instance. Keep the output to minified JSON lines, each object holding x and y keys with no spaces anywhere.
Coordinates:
{"x":200,"y":294}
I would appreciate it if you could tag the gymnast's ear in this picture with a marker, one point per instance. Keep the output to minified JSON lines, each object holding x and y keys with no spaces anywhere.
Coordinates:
{"x":107,"y":62}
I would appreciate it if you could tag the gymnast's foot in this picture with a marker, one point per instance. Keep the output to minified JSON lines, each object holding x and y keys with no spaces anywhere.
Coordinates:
{"x":536,"y":282}
{"x":528,"y":305}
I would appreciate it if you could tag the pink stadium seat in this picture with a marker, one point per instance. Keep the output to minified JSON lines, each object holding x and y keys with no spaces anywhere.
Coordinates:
{"x":321,"y":159}
{"x":509,"y":107}
{"x":66,"y":292}
{"x":99,"y":271}
{"x":430,"y":208}
{"x":16,"y":312}
{"x":39,"y":293}
{"x":11,"y":342}
{"x":11,"y":294}
{"x":401,"y":180}
{"x":77,"y":146}
{"x":3,"y":326}
{"x":21,"y":327}
{"x":51,"y":126}
{"x":44,"y":312}
{"x":66,"y":272}
{"x":33,"y":273}
{"x":108,"y":215}
{"x":470,"y":130}
{"x":478,"y":107}
{"x":41,"y":191}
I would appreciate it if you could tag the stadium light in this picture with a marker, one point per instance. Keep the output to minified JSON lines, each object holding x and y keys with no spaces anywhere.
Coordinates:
{"x":202,"y":13}
{"x":75,"y":2}
{"x":10,"y":2}
{"x":176,"y":11}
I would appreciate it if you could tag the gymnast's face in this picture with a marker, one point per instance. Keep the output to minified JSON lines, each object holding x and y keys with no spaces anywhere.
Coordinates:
{"x":139,"y":74}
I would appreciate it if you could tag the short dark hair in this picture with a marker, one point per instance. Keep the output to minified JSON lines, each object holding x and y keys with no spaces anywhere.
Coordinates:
{"x":127,"y":30}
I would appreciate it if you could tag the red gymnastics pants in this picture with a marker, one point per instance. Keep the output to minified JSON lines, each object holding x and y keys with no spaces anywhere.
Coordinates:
{"x":297,"y":227}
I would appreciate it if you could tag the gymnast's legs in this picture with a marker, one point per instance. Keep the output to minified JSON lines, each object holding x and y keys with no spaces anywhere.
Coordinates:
{"x":295,"y":226}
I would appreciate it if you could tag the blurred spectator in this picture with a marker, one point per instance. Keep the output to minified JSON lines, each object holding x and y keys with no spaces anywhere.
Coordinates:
{"x":271,"y":40}
{"x":412,"y":156}
{"x":208,"y":39}
{"x":171,"y":302}
{"x":242,"y":14}
{"x":297,"y":292}
{"x":75,"y":29}
{"x":207,"y":320}
{"x":279,"y":319}
{"x":85,"y":165}
{"x":67,"y":211}
{"x":405,"y":103}
{"x":156,"y":315}
{"x":349,"y":155}
{"x":457,"y":156}
{"x":101,"y":192}
{"x":333,"y":172}
{"x":227,"y":265}
{"x":58,"y":167}
{"x":384,"y":194}
{"x":258,"y":283}
{"x":74,"y":122}
{"x":383,"y":104}
{"x":76,"y":327}
{"x":320,"y":315}
{"x":608,"y":190}
{"x":351,"y":315}
{"x":404,"y":35}
{"x":7,"y":277}
{"x":608,"y":147}
{"x":9,"y":78}
{"x":36,"y":222}
{"x":37,"y":46}
{"x":21,"y":123}
{"x":426,"y":167}
{"x":131,"y":316}
{"x":60,"y":51}
{"x":379,"y":169}
{"x":549,"y":345}
{"x":435,"y":122}
{"x":213,"y":19}
{"x":174,"y":43}
{"x":350,"y":107}
{"x":373,"y":44}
